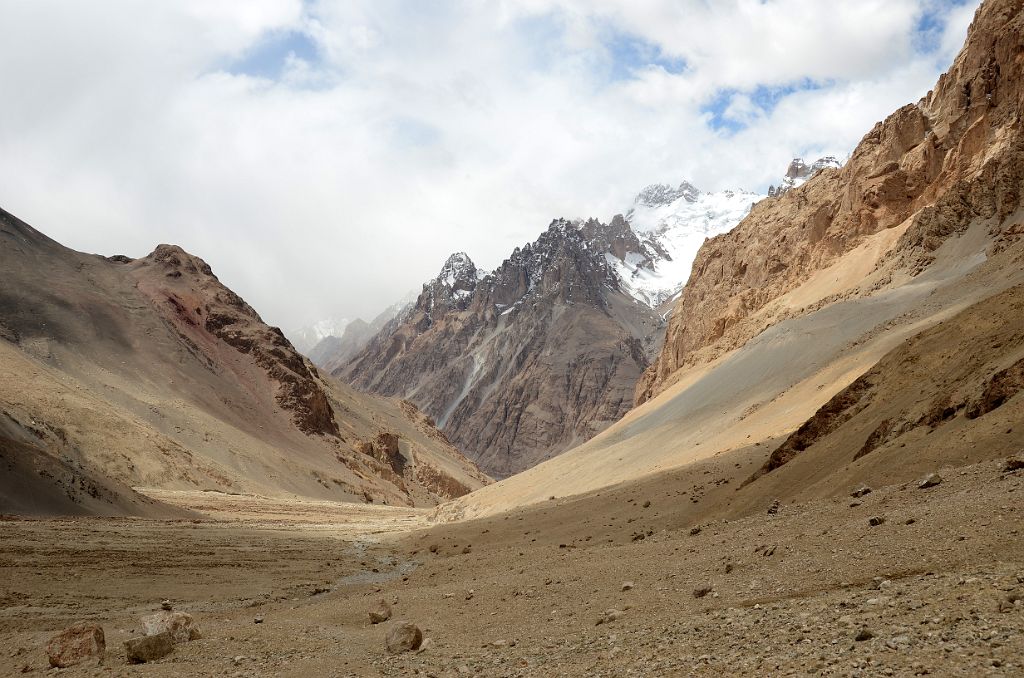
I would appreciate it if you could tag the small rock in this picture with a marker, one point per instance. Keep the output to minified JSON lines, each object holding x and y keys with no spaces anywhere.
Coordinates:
{"x":75,"y":644}
{"x":380,"y":613}
{"x":166,"y":605}
{"x":875,"y":521}
{"x":148,"y":648}
{"x":729,"y":567}
{"x":469,"y":594}
{"x":627,"y":586}
{"x":647,"y":504}
{"x":1014,"y":464}
{"x":864,"y":634}
{"x":694,"y":531}
{"x":180,"y":625}
{"x":861,"y":491}
{"x":427,"y":642}
{"x":403,"y":637}
{"x":930,"y":480}
{"x":258,"y":619}
{"x":609,"y":616}
{"x":774,"y":507}
{"x":702,"y":591}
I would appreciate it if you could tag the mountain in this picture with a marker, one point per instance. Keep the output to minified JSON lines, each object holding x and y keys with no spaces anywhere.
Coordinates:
{"x":306,"y":338}
{"x":672,"y":224}
{"x":333,"y":352}
{"x":119,"y":373}
{"x":863,"y":327}
{"x":523,"y":362}
{"x":799,"y":172}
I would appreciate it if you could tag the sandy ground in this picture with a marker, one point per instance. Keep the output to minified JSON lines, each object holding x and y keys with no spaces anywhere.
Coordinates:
{"x":521,"y":593}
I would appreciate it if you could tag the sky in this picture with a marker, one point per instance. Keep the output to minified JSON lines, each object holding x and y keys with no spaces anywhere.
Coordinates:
{"x":326,"y":156}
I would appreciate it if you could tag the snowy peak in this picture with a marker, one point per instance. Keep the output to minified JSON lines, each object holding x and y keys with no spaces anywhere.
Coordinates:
{"x":306,"y":338}
{"x":657,"y":195}
{"x":799,"y":172}
{"x":669,"y":235}
{"x":453,"y":286}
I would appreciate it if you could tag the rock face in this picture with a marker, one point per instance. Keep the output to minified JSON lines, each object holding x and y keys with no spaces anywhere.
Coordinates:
{"x":521,"y":363}
{"x":185,"y":288}
{"x":76,"y":644}
{"x":942,"y":163}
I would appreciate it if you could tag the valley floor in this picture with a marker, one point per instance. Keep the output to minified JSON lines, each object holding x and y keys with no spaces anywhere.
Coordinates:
{"x":521,"y":594}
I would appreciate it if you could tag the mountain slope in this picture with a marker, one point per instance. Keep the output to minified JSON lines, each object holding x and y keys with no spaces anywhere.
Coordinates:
{"x":333,"y":352}
{"x":923,"y":226}
{"x":150,"y":372}
{"x":522,"y":363}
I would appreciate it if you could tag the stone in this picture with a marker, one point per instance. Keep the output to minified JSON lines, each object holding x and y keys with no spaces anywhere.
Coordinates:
{"x":930,"y":480}
{"x":861,"y":491}
{"x":864,"y":634}
{"x":403,"y":636}
{"x":180,"y":625}
{"x":76,"y":644}
{"x":774,"y":507}
{"x":148,"y":648}
{"x":609,"y":616}
{"x":702,"y":591}
{"x":875,"y":521}
{"x":1014,"y":464}
{"x":694,"y":531}
{"x":380,"y":613}
{"x":258,"y":619}
{"x":627,"y":586}
{"x":166,"y":605}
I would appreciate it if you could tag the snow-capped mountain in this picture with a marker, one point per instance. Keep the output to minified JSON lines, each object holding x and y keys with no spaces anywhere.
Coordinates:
{"x":305,"y":338}
{"x":672,"y":224}
{"x":799,"y":172}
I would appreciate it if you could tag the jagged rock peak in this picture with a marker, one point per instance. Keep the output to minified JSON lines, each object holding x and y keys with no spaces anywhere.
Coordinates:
{"x":458,"y":267}
{"x":799,"y":171}
{"x":663,"y":194}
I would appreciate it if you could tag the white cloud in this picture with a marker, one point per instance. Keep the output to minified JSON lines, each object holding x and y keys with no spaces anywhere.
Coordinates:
{"x":416,"y":128}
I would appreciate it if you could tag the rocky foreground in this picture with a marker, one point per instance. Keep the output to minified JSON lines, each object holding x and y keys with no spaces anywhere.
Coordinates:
{"x":896,"y":580}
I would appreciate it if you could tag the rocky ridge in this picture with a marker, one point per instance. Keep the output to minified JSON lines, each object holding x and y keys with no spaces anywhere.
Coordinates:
{"x":933,"y":167}
{"x":520,"y":363}
{"x":119,"y":373}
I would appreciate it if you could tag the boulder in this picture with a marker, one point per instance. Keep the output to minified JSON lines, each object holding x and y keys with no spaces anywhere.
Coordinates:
{"x":180,"y":625}
{"x":75,"y":644}
{"x":403,"y":637}
{"x":148,"y":648}
{"x":930,"y":480}
{"x":380,"y":613}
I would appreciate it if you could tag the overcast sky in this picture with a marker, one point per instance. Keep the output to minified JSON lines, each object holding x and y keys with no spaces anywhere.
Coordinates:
{"x":326,"y":156}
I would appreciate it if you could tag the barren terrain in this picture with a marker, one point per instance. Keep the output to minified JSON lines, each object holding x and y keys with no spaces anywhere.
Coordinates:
{"x":521,"y":593}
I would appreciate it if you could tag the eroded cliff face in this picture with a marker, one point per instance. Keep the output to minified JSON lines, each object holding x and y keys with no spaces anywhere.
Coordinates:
{"x":519,"y":364}
{"x":942,"y":163}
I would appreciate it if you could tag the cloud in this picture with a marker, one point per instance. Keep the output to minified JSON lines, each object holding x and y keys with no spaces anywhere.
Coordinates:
{"x":325,"y":157}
